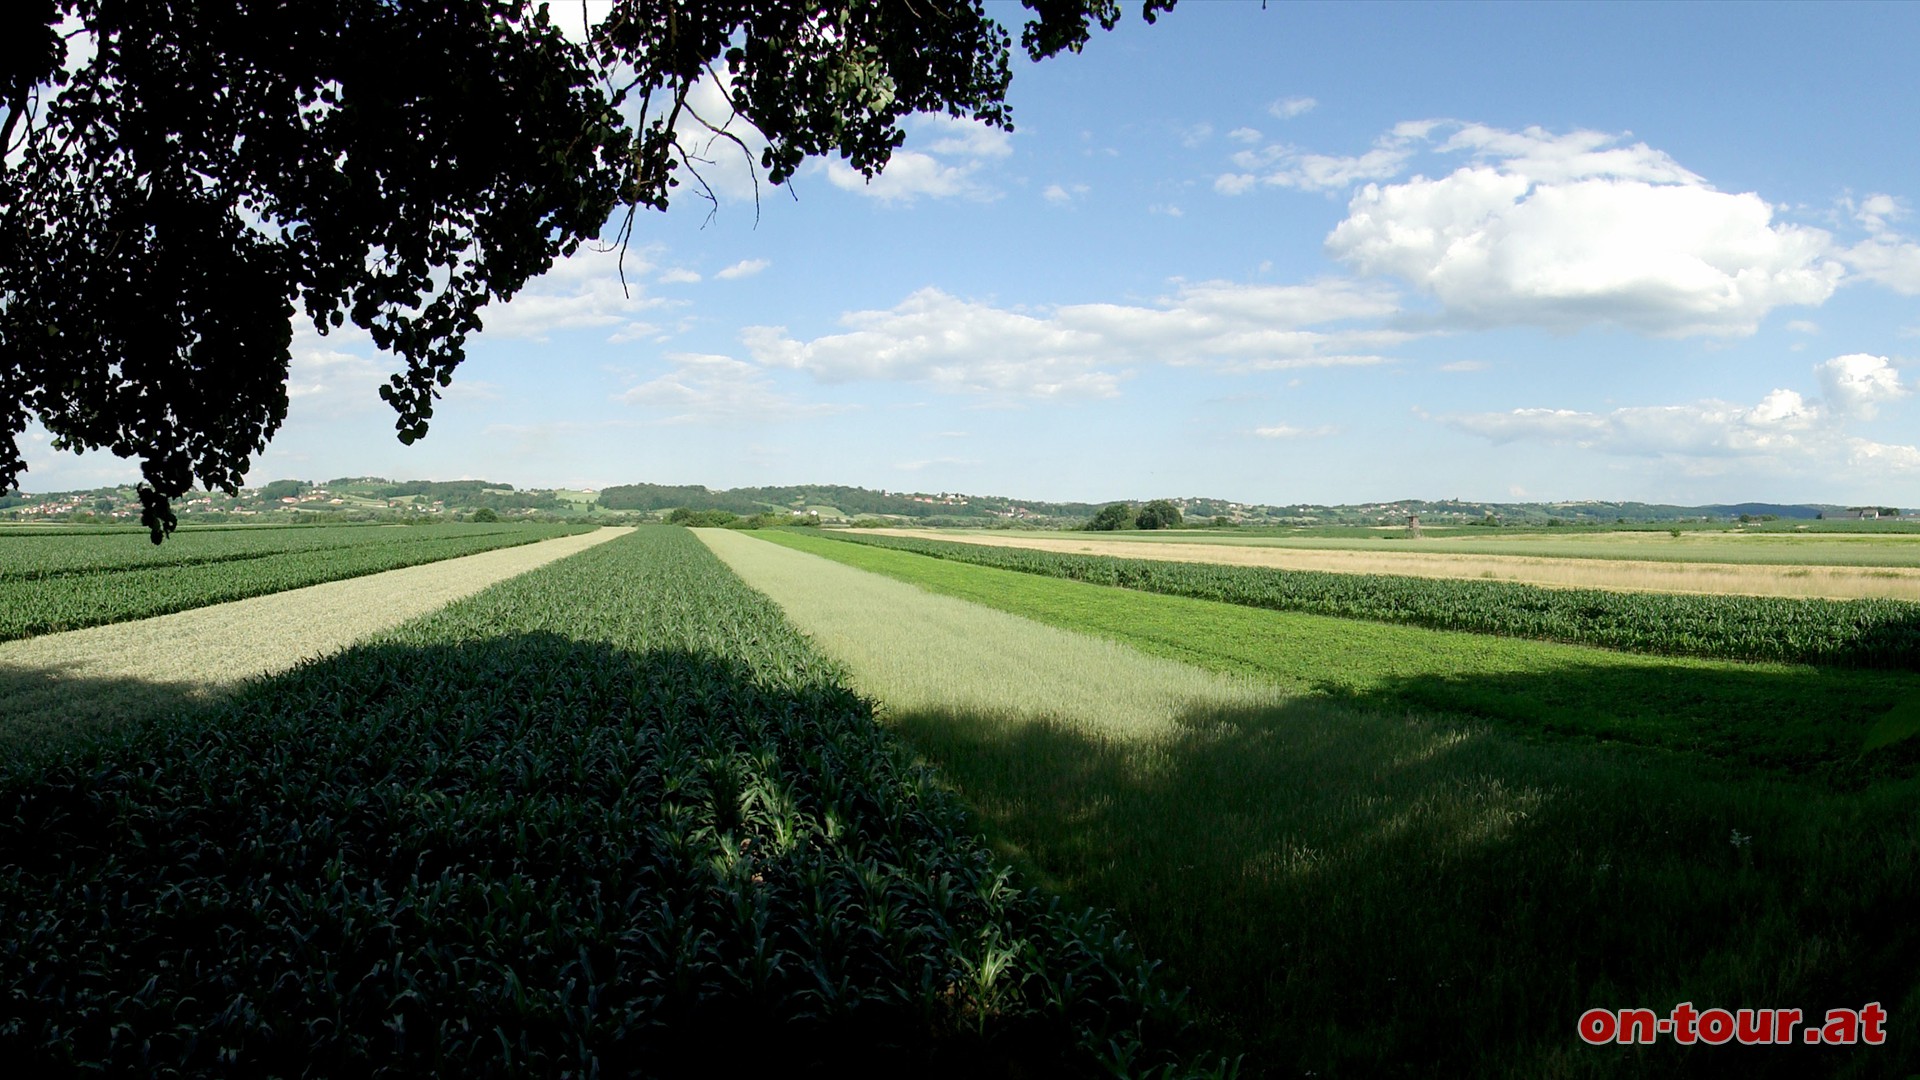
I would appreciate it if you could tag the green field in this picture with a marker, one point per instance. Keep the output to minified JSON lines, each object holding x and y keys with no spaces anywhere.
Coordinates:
{"x":1855,"y":547}
{"x":67,"y":582}
{"x":617,"y":812}
{"x":1450,"y":845}
{"x":1854,"y":633}
{"x":609,"y":818}
{"x":1752,"y":714}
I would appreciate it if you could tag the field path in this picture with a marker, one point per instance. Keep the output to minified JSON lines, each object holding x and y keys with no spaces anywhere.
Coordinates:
{"x":1625,"y":575}
{"x":920,"y":653}
{"x":93,"y":677}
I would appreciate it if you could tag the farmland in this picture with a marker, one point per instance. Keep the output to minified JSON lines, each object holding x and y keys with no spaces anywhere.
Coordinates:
{"x":616,"y":810}
{"x":1839,"y":544}
{"x":606,"y":816}
{"x":56,"y":687}
{"x":1786,"y":565}
{"x":1441,"y":845}
{"x":1529,"y":689}
{"x":55,"y":583}
{"x":1861,"y":633}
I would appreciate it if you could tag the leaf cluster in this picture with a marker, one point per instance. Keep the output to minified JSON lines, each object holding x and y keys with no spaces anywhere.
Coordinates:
{"x":169,"y":204}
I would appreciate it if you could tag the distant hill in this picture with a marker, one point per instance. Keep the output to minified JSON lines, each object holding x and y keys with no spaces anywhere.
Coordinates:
{"x":375,"y":497}
{"x":851,"y":501}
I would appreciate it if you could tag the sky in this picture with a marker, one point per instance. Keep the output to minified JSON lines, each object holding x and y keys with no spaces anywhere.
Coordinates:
{"x":1302,"y":253}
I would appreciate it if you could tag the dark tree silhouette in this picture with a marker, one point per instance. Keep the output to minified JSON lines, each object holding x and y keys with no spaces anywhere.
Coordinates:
{"x":169,"y":203}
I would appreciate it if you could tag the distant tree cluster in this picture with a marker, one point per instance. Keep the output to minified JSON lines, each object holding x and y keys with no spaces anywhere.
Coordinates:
{"x":722,"y":519}
{"x":1158,"y":514}
{"x":284,"y":489}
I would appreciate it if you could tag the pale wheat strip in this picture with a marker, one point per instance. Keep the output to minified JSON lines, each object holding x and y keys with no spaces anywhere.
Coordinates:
{"x":58,"y":683}
{"x":916,"y":651}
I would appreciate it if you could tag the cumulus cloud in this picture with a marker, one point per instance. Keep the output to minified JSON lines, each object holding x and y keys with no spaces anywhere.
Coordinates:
{"x":1573,"y":230}
{"x":1784,"y":426}
{"x":745,"y":268}
{"x":1087,"y":350}
{"x":678,"y":276}
{"x":952,"y":153}
{"x":703,"y":388}
{"x":1858,"y":384}
{"x":1886,"y":256}
{"x":582,"y":292}
{"x":1286,"y":166}
{"x":1288,"y":108}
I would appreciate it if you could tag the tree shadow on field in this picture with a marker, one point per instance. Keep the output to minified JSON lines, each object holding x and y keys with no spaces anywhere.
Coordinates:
{"x":1791,"y":721}
{"x":528,"y":855}
{"x":46,"y":707}
{"x":1358,"y":892}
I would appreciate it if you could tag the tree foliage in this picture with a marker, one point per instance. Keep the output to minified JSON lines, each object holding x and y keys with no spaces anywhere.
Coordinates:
{"x":169,"y":204}
{"x":1111,"y":517}
{"x":1158,"y":514}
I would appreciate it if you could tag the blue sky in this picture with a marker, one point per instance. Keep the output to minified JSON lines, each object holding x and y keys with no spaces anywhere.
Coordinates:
{"x":1320,"y":253}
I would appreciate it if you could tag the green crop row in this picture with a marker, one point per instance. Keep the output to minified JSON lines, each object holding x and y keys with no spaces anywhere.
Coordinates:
{"x":1849,"y":633}
{"x":611,"y":818}
{"x":72,"y":602}
{"x":33,"y":557}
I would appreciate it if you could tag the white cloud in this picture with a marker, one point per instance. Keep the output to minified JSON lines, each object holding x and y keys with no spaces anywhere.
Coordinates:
{"x":1803,"y":326}
{"x":1167,"y":209}
{"x":745,"y":268}
{"x":1245,"y":135}
{"x":1858,"y":384}
{"x":1288,"y":431}
{"x":1573,"y":230}
{"x":1196,"y":135}
{"x":1285,"y":166}
{"x":678,"y":276}
{"x":1888,"y":261}
{"x":1288,"y":108}
{"x":1881,"y":457}
{"x":1466,"y":365}
{"x":325,"y":379}
{"x":582,"y":291}
{"x":1062,"y":194}
{"x":1784,"y":428}
{"x":1886,"y":256}
{"x":1087,"y":350}
{"x":957,"y":137}
{"x":704,"y":388}
{"x":955,"y":151}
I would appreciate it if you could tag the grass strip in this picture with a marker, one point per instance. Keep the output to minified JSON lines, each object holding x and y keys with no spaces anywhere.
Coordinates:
{"x":1794,"y":719}
{"x":1373,"y":892}
{"x":612,"y":817}
{"x":32,"y":607}
{"x":1871,"y":633}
